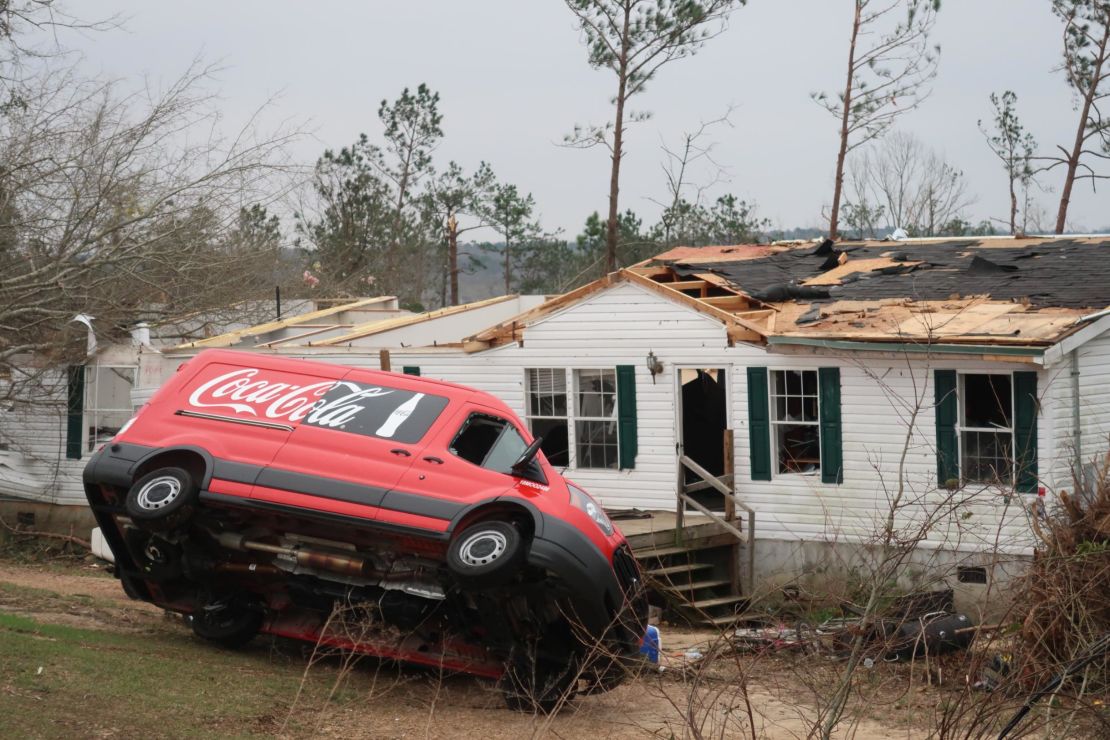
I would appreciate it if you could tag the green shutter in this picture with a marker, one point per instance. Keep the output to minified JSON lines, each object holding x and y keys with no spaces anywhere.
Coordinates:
{"x":626,"y":416}
{"x":947,"y":409}
{"x":1025,"y":431}
{"x":759,"y":424}
{"x":75,"y":406}
{"x":832,"y":446}
{"x":410,"y":370}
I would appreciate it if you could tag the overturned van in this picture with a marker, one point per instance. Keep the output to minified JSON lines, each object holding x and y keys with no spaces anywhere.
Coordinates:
{"x":396,"y":516}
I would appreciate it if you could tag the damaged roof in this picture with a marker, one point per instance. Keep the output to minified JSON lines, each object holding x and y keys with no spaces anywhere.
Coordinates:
{"x":1058,"y":273}
{"x":980,"y":291}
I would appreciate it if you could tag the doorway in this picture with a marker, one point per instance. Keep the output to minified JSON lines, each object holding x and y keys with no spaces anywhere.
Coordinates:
{"x":703,"y":416}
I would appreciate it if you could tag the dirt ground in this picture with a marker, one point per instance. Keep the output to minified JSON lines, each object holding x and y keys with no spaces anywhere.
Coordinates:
{"x":330,"y":699}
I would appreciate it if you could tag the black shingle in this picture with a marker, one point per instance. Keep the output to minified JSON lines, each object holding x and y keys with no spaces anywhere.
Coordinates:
{"x":1062,"y":273}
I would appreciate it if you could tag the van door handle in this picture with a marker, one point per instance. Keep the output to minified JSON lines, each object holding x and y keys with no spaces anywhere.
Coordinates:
{"x":432,"y":459}
{"x":402,"y":453}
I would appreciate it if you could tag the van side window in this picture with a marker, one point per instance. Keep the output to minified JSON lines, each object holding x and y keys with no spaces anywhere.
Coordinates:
{"x":488,"y":441}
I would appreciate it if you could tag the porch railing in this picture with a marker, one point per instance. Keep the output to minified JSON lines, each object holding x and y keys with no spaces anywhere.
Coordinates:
{"x":725,"y":485}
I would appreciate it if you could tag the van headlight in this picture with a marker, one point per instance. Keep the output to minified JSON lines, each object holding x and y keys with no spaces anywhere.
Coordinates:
{"x":593,"y":509}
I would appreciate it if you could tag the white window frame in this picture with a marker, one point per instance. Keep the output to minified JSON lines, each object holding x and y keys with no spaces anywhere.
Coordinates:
{"x":772,"y":396}
{"x":574,"y":415}
{"x":529,"y":391}
{"x":90,"y":404}
{"x":613,"y":420}
{"x":961,"y":428}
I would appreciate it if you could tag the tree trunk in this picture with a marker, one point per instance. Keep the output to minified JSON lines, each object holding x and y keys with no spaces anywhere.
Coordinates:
{"x":1080,"y":135}
{"x":395,"y":248}
{"x":508,"y":266}
{"x":453,"y":258}
{"x":1013,"y":208}
{"x":842,"y":152}
{"x":618,"y":143}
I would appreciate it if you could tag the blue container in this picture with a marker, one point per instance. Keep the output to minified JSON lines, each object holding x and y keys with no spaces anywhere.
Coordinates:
{"x":649,"y":647}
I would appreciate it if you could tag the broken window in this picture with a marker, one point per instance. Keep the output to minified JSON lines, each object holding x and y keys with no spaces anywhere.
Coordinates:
{"x":547,"y":412}
{"x":107,"y":402}
{"x":595,"y":427}
{"x":795,"y":421}
{"x":986,"y":430}
{"x":490,"y":442}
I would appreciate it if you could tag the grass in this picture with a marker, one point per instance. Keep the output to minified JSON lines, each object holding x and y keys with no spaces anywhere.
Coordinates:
{"x":61,"y":681}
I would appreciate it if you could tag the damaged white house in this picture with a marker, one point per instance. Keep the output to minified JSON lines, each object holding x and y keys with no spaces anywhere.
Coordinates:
{"x":941,"y":384}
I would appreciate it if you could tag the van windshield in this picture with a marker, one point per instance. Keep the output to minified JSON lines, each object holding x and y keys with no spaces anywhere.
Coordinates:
{"x":489,"y":441}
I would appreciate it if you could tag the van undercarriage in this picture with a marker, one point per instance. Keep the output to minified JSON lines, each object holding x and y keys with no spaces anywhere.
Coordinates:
{"x":235,"y":572}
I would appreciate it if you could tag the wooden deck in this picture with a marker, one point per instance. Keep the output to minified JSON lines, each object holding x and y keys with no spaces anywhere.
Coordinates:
{"x":659,"y":529}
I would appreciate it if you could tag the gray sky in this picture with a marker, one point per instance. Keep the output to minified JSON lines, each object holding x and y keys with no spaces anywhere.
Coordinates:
{"x":513,"y":79}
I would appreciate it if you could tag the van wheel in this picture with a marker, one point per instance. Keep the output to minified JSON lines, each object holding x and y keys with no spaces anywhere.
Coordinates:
{"x":486,"y":554}
{"x":162,"y":499}
{"x":230,"y":624}
{"x":538,"y":685}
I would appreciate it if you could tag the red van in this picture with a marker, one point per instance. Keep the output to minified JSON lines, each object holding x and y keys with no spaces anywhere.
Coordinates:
{"x":394,"y":515}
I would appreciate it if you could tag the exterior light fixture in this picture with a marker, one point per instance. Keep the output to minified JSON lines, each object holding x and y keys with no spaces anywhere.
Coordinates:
{"x":654,"y":365}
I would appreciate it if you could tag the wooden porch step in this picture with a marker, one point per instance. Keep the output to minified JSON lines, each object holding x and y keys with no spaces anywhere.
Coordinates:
{"x":717,"y":601}
{"x":710,"y":542}
{"x":696,"y":585}
{"x":658,"y":552}
{"x":676,"y":569}
{"x":726,"y":620}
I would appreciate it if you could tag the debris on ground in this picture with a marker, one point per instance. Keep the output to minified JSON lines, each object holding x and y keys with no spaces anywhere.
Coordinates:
{"x":1067,"y":590}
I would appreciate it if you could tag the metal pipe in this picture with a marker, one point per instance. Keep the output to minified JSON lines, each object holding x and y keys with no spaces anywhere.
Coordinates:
{"x":1076,"y":425}
{"x":315,"y":559}
{"x":1093,"y":316}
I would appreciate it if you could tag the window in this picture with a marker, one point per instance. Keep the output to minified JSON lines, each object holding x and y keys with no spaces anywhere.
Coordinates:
{"x":107,"y":402}
{"x":547,"y":412}
{"x":795,"y":421}
{"x":490,"y":442}
{"x":986,"y":428}
{"x":594,"y":415}
{"x":595,"y":426}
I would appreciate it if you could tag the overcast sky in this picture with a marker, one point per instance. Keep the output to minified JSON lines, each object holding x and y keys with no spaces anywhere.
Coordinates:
{"x":513,"y":79}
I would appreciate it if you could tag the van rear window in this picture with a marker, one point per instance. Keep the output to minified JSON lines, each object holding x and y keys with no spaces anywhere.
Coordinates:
{"x":376,"y":411}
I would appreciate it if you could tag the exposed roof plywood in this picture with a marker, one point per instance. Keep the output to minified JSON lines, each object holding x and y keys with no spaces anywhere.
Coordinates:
{"x":849,"y":267}
{"x":377,"y":327}
{"x":234,"y":337}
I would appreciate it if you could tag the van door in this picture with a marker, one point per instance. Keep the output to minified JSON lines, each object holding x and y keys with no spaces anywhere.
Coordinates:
{"x":466,"y":461}
{"x":241,"y":415}
{"x":353,"y":447}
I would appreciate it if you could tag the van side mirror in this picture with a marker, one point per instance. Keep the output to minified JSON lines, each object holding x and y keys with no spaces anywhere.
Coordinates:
{"x":525,"y":466}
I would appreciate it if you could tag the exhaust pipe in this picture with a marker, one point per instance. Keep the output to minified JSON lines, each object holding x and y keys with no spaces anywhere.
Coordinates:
{"x":350,"y":565}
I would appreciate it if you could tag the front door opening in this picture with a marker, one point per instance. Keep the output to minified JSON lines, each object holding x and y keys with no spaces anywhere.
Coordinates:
{"x":703,"y":402}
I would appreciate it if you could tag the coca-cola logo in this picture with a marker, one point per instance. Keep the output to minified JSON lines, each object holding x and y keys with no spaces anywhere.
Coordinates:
{"x":243,"y":392}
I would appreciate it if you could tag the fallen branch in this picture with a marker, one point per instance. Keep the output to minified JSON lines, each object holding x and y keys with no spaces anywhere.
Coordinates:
{"x":50,"y":535}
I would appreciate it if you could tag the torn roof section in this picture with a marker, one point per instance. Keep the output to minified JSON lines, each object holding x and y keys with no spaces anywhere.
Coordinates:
{"x":372,"y":322}
{"x":1059,"y":273}
{"x":983,"y":291}
{"x":331,"y":321}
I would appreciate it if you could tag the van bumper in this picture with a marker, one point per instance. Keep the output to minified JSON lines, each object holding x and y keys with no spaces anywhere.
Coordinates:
{"x":611,"y":611}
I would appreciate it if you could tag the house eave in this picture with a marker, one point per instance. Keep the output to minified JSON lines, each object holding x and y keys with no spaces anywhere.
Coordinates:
{"x":993,"y":351}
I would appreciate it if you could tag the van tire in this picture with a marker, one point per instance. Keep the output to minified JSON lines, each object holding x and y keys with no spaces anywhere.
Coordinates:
{"x":486,"y":554}
{"x":230,"y":625}
{"x":162,"y":499}
{"x":537,"y":685}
